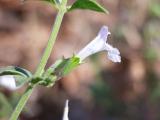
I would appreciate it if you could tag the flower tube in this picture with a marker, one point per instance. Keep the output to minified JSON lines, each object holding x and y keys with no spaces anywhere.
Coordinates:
{"x":99,"y":43}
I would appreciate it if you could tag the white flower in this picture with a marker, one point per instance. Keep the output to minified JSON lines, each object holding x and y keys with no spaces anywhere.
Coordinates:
{"x":8,"y":81}
{"x":99,"y":44}
{"x":66,"y":110}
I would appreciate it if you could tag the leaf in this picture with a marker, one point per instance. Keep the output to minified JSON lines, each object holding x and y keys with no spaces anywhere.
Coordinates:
{"x":13,"y":70}
{"x":88,"y":4}
{"x":54,"y":1}
{"x":63,"y":67}
{"x":20,"y":81}
{"x":71,"y":64}
{"x":50,"y":1}
{"x":13,"y":77}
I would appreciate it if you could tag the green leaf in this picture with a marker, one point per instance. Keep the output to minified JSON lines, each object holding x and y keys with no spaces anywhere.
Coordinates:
{"x":13,"y":70}
{"x":88,"y":4}
{"x":20,"y":77}
{"x":50,"y":1}
{"x":63,"y":67}
{"x":58,"y":2}
{"x":70,"y":64}
{"x":20,"y":80}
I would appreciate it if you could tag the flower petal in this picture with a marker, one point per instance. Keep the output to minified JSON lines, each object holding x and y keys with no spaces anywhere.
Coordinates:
{"x":114,"y":57}
{"x":96,"y":45}
{"x":66,"y":110}
{"x":114,"y":51}
{"x":8,"y":81}
{"x":103,"y":33}
{"x":99,"y":44}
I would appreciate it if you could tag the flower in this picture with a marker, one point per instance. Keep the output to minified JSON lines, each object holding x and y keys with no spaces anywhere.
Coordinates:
{"x":66,"y":110}
{"x":8,"y":81}
{"x":99,"y":44}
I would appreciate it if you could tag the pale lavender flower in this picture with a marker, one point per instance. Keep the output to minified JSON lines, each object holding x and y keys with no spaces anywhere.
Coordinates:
{"x":100,"y":44}
{"x":8,"y":81}
{"x":66,"y":111}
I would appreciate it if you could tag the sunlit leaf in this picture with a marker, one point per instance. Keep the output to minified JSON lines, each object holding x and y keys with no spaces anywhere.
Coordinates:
{"x":87,"y":4}
{"x":63,"y":66}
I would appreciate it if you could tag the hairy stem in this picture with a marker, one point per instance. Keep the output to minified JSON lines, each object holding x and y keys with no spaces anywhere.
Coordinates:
{"x":23,"y":100}
{"x":21,"y":104}
{"x":51,"y":42}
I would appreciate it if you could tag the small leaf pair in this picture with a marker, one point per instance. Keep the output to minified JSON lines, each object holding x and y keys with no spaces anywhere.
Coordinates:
{"x":58,"y":70}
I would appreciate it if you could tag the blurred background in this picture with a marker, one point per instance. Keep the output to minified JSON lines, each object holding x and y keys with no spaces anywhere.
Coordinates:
{"x":98,"y":89}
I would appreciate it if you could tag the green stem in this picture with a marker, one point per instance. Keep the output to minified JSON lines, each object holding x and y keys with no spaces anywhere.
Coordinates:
{"x":43,"y":62}
{"x":51,"y":42}
{"x":21,"y":104}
